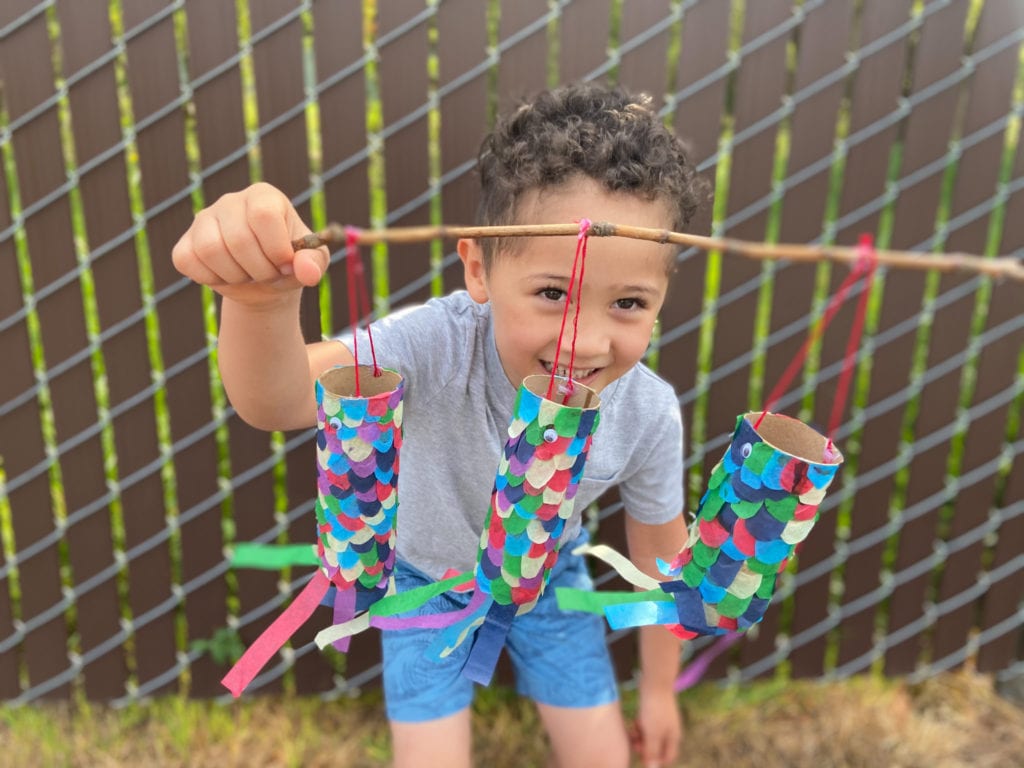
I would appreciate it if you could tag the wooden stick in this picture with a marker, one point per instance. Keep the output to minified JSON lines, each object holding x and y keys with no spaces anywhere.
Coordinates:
{"x":997,"y":267}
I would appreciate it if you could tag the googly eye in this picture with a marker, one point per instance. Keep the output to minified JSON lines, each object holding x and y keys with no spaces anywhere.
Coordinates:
{"x":550,"y":435}
{"x":335,"y":422}
{"x":746,"y":450}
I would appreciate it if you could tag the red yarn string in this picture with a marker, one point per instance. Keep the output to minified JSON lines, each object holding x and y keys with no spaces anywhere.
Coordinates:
{"x":867,"y":257}
{"x":366,"y":310}
{"x":865,"y":265}
{"x":356,"y":279}
{"x":578,"y":261}
{"x":581,"y":244}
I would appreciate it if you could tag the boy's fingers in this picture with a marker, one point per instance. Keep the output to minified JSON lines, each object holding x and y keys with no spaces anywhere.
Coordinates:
{"x":185,"y":261}
{"x":271,"y":219}
{"x":246,"y":251}
{"x":210,"y":249}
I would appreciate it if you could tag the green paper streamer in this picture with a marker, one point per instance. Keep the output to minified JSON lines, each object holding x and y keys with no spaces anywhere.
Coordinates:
{"x":272,"y":557}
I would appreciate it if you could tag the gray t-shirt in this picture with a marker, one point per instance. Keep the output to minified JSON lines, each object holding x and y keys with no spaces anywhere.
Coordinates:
{"x":458,"y":403}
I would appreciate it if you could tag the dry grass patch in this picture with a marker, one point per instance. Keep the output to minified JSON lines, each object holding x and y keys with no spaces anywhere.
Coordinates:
{"x":952,"y":720}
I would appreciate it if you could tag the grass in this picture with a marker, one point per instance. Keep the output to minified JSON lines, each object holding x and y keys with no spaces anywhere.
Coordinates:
{"x":950,"y":720}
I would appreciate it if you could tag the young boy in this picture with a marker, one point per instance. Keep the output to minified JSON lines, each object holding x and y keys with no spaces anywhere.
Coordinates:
{"x":577,"y":152}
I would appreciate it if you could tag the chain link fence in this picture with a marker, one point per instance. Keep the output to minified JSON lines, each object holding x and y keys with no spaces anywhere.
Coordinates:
{"x":126,"y":477}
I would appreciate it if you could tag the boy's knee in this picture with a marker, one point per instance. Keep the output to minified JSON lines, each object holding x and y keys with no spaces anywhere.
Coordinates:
{"x":445,"y":741}
{"x":586,"y":737}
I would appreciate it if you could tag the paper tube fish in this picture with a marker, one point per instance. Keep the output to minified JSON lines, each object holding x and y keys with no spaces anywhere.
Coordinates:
{"x":358,"y":442}
{"x":761,"y":502}
{"x":534,"y":490}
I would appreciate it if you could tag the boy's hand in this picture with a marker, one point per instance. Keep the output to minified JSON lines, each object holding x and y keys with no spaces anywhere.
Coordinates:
{"x":241,"y":247}
{"x":658,"y":729}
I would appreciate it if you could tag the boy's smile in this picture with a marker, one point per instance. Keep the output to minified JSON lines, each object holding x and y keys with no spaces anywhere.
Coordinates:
{"x":624,"y":286}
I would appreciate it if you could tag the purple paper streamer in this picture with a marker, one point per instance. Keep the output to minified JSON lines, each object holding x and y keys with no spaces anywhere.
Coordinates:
{"x":695,"y":669}
{"x":431,"y":621}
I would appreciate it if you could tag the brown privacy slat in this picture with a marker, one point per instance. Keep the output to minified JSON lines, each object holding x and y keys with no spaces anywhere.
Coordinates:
{"x":645,"y":68}
{"x":462,"y":41}
{"x":876,"y":92}
{"x":85,"y":36}
{"x":997,"y":370}
{"x":759,"y":87}
{"x":977,"y":179}
{"x":40,"y":170}
{"x":522,"y":70}
{"x":1002,"y":599}
{"x":583,"y":39}
{"x":938,"y":405}
{"x":928,"y":132}
{"x":403,"y":79}
{"x":212,"y":39}
{"x":697,"y":119}
{"x":875,"y":89}
{"x":14,"y":349}
{"x":824,"y":37}
{"x":338,"y":38}
{"x":19,"y":430}
{"x":975,"y":182}
{"x":164,"y":173}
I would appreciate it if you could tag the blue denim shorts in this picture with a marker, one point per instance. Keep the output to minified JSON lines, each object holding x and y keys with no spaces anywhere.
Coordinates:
{"x":560,"y":657}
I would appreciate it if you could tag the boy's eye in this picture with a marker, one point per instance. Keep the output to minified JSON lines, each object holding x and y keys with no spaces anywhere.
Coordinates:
{"x":552,"y":294}
{"x":630,"y":304}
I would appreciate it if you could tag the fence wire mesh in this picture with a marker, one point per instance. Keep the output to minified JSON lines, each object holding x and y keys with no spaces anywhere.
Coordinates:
{"x":125,"y":476}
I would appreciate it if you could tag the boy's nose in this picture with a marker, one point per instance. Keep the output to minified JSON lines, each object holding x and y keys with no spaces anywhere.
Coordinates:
{"x":592,"y":343}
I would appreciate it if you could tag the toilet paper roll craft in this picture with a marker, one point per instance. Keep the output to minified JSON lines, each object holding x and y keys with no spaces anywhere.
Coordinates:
{"x":535,"y":486}
{"x":762,"y":500}
{"x":358,"y":441}
{"x":358,"y":444}
{"x":553,"y":422}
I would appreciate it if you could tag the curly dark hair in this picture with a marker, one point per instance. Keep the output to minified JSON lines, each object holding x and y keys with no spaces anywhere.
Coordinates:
{"x":609,"y":135}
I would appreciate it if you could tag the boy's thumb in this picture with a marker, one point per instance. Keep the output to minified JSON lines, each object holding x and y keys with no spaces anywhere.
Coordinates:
{"x":309,"y":266}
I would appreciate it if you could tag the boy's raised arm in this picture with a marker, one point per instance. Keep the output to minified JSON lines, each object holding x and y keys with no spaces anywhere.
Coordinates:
{"x":241,"y":247}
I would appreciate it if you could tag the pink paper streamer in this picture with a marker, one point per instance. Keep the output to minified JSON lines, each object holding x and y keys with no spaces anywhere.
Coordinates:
{"x":276,"y":635}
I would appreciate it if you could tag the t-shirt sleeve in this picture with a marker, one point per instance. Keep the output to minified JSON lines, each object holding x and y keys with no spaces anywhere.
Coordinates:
{"x":653,"y":491}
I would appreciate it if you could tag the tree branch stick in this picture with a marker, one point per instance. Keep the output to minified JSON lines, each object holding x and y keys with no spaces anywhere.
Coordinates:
{"x":997,"y":267}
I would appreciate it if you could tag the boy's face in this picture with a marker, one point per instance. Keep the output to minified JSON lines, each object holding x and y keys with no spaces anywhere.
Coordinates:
{"x":624,"y":286}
